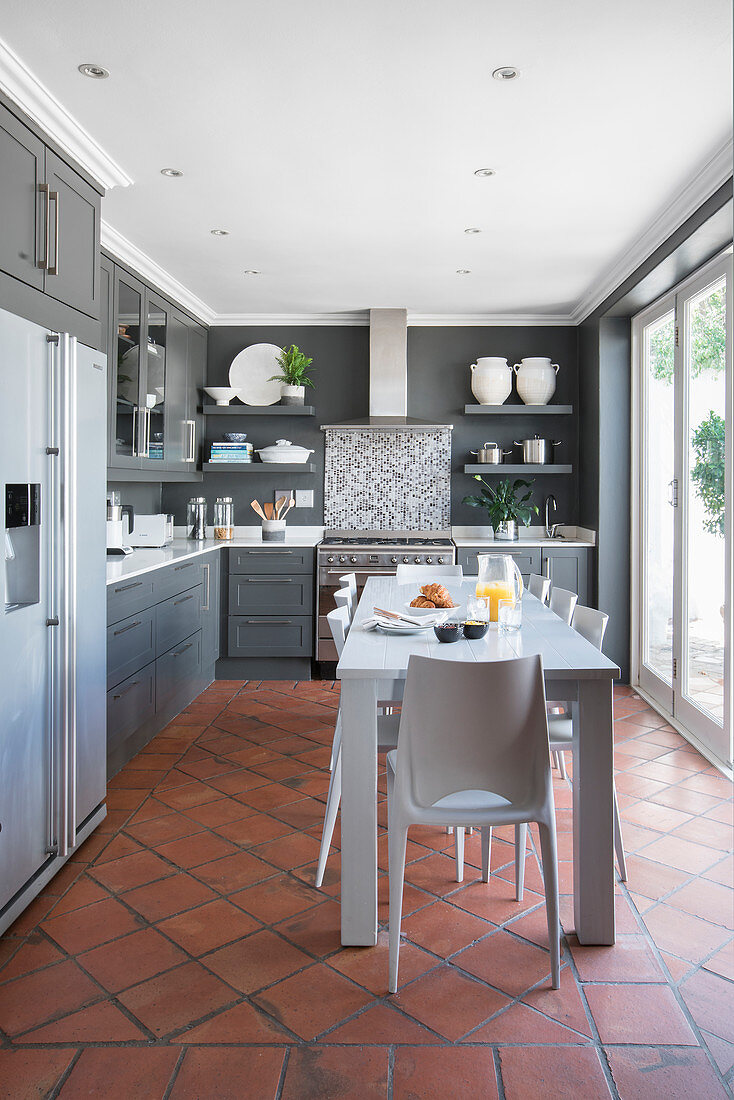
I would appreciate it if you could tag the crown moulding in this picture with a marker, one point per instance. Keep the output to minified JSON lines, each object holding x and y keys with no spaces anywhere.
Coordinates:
{"x":25,"y":89}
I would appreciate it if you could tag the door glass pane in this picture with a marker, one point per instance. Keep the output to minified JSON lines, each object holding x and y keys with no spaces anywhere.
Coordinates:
{"x":128,"y":366}
{"x":156,"y":379}
{"x":703,"y":605}
{"x":658,"y":515}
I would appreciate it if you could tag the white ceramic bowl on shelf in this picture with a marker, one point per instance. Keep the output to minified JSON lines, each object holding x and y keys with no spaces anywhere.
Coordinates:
{"x":222,"y":395}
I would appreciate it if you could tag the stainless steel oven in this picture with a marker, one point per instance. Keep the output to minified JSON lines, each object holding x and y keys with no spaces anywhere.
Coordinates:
{"x":369,"y":554}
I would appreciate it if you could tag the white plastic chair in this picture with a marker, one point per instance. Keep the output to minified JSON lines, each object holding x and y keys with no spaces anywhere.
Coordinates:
{"x":343,"y":599}
{"x":473,"y":749}
{"x":424,"y":574}
{"x":349,"y":584}
{"x":562,"y":602}
{"x":387,"y":738}
{"x":539,"y":586}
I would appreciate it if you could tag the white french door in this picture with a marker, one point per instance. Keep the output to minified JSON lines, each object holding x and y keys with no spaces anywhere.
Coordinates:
{"x":682,"y":491}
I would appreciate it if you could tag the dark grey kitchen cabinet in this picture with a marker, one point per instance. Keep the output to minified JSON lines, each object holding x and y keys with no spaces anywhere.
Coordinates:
{"x":72,"y":275}
{"x":22,"y":203}
{"x":568,"y":567}
{"x":270,"y":636}
{"x":270,"y":602}
{"x":211,"y":610}
{"x":124,"y":373}
{"x":185,"y":380}
{"x":276,"y":559}
{"x":528,"y":558}
{"x":270,"y":595}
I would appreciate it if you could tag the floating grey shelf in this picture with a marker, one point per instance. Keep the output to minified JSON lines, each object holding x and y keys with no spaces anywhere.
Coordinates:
{"x":514,"y":468}
{"x":260,"y":467}
{"x":517,"y":410}
{"x":258,"y":410}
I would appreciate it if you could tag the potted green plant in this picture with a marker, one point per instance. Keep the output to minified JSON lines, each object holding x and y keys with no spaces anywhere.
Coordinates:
{"x":293,"y":375}
{"x":505,"y":507}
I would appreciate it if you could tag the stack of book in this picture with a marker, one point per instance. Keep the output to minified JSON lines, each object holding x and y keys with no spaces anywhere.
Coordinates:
{"x":230,"y":452}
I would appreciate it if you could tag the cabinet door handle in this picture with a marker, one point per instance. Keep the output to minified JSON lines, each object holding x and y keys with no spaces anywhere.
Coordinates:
{"x":188,"y":646}
{"x":268,"y":580}
{"x":53,"y":197}
{"x":191,"y":448}
{"x":269,"y":622}
{"x":127,"y":587}
{"x":44,"y":190}
{"x":136,"y":431}
{"x":266,"y":553}
{"x":177,"y":568}
{"x":183,"y":599}
{"x":129,"y":687}
{"x":124,"y":629}
{"x":205,"y":604}
{"x":146,"y":453}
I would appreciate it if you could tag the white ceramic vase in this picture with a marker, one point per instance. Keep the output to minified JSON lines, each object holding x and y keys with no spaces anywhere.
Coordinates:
{"x":536,"y":380}
{"x":292,"y":395}
{"x":491,"y":380}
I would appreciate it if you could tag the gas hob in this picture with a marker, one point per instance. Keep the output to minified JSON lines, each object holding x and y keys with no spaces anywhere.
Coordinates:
{"x":383,"y":549}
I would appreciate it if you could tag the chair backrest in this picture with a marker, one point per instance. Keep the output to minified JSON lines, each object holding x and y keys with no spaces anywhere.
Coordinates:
{"x":338,"y":620}
{"x":473,"y":726}
{"x":424,"y":574}
{"x":343,"y":599}
{"x":562,"y":602}
{"x":349,"y":584}
{"x":590,"y":623}
{"x":539,"y":586}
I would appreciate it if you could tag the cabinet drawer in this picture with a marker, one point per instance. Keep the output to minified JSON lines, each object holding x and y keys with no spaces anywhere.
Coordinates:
{"x":176,"y":618}
{"x":130,"y":646}
{"x":126,"y":597}
{"x":271,"y":595}
{"x":528,"y":559}
{"x":129,"y":705}
{"x":279,"y":559}
{"x":176,"y":668}
{"x":270,"y":636}
{"x":177,"y":578}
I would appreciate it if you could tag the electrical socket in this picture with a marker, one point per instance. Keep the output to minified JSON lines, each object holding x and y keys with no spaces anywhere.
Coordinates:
{"x":304,"y":498}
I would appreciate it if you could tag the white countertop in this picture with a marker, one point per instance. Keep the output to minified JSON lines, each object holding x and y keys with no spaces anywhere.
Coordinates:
{"x":529,"y":536}
{"x":145,"y":559}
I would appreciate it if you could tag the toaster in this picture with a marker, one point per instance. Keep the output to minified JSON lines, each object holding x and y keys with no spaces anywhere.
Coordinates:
{"x":155,"y":530}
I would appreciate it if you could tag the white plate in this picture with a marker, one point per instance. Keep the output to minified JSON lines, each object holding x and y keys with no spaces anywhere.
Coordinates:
{"x":419,"y":612}
{"x":403,"y":628}
{"x":249,"y":373}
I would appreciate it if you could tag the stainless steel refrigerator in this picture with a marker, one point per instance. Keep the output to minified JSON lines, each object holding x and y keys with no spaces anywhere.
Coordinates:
{"x":52,"y":604}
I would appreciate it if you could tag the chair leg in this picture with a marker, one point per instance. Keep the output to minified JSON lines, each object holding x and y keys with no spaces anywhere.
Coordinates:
{"x":562,"y":765}
{"x":550,"y":878}
{"x":397,"y":839}
{"x":486,"y":851}
{"x":618,"y":842}
{"x":337,"y":740}
{"x":521,"y":840}
{"x":459,"y":852}
{"x":332,"y":808}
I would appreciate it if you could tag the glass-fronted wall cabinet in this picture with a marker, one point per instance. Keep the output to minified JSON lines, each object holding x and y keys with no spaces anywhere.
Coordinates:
{"x":154,"y":449}
{"x":129,"y":429}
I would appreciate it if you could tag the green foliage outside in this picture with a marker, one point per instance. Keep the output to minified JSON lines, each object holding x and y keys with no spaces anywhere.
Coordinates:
{"x":502,"y":503}
{"x":708,"y":353}
{"x":294,"y":368}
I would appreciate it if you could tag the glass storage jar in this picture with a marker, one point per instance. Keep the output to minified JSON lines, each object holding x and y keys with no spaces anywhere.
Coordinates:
{"x":223,"y":518}
{"x":196,"y":518}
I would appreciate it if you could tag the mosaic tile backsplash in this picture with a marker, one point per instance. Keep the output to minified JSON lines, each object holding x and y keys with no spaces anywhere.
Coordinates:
{"x":390,"y":480}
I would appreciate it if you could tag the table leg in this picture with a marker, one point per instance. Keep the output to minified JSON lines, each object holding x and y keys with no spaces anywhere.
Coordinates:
{"x":593,"y":822}
{"x":359,"y":813}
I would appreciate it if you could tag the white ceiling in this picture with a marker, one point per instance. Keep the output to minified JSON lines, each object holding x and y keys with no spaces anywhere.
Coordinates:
{"x":337,"y":140}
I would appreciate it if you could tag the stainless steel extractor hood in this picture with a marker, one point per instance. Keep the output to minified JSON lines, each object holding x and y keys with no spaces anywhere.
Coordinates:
{"x":389,"y":376}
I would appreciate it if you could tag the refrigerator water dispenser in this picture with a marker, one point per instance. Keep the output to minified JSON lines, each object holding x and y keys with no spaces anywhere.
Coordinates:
{"x":22,"y":545}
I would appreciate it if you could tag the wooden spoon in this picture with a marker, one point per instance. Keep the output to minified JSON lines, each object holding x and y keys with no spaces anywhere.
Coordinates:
{"x":255,"y":505}
{"x":278,"y":506}
{"x":290,"y":504}
{"x":268,"y":511}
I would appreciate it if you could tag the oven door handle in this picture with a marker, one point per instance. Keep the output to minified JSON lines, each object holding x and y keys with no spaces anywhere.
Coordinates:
{"x":376,"y":572}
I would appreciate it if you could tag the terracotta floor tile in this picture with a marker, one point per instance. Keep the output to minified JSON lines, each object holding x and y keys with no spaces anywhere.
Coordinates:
{"x":172,"y":895}
{"x":116,"y":848}
{"x":253,"y":829}
{"x":505,"y":962}
{"x":313,"y":1000}
{"x":722,"y":872}
{"x":31,"y":1074}
{"x":208,"y":926}
{"x":131,"y":871}
{"x":244,"y":1023}
{"x":288,"y":852}
{"x":43,"y":995}
{"x":520,"y":1024}
{"x":149,"y":810}
{"x":172,"y":826}
{"x":257,"y":961}
{"x":638,"y":1014}
{"x":189,"y":795}
{"x":709,"y":999}
{"x":495,"y":900}
{"x":722,"y":962}
{"x":654,"y":816}
{"x":702,"y":830}
{"x":177,"y":998}
{"x":629,"y":960}
{"x":34,"y":954}
{"x":444,"y":929}
{"x":648,"y":1073}
{"x":220,"y":812}
{"x":449,"y":1001}
{"x":99,"y":1023}
{"x":306,"y":813}
{"x":270,"y":798}
{"x":462,"y":1073}
{"x":378,"y":1024}
{"x":681,"y":854}
{"x":144,"y":1076}
{"x":238,"y":781}
{"x":93,"y":924}
{"x":654,"y":880}
{"x":277,"y":898}
{"x":709,"y":784}
{"x":234,"y":872}
{"x":131,"y":959}
{"x":690,"y":802}
{"x":191,"y":851}
{"x":708,"y":900}
{"x":229,"y":1074}
{"x":721,"y":1051}
{"x":333,"y":1073}
{"x":565,"y":1073}
{"x":564,"y":1005}
{"x":683,"y":935}
{"x":317,"y":931}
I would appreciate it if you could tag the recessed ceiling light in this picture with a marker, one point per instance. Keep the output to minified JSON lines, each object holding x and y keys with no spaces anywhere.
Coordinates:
{"x":250,"y":271}
{"x":485,"y":172}
{"x":506,"y":72}
{"x":174,"y":172}
{"x":463,"y":271}
{"x":219,"y":232}
{"x":95,"y":71}
{"x":473,"y":230}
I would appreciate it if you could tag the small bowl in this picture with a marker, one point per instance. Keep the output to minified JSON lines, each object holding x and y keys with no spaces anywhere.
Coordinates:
{"x":474,"y":630}
{"x":221,"y":394}
{"x":448,"y":632}
{"x":235,"y":437}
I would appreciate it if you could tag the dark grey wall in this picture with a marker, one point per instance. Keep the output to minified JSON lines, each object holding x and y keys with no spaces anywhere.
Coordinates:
{"x":144,"y":497}
{"x":340,"y":364}
{"x":439,"y":385}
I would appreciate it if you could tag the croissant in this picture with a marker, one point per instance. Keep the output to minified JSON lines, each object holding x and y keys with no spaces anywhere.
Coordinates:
{"x":421,"y":601}
{"x":437,"y":594}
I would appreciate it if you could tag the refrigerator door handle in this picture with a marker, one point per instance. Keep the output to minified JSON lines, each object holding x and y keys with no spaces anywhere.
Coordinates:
{"x":56,"y":792}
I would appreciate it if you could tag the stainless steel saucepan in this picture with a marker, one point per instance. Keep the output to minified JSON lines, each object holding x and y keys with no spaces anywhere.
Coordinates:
{"x":537,"y":451}
{"x":490,"y":454}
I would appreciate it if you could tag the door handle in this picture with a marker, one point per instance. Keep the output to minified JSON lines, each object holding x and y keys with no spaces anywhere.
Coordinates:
{"x":125,"y":587}
{"x":183,"y":650}
{"x":268,"y":580}
{"x":124,"y":629}
{"x":191,"y":448}
{"x":183,"y":599}
{"x":53,"y":197}
{"x":269,"y":622}
{"x":129,"y":687}
{"x":205,"y":605}
{"x":44,"y":190}
{"x":673,"y":492}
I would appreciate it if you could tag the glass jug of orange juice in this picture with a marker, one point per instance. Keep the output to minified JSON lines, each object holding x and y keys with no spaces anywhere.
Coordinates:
{"x":499,"y":579}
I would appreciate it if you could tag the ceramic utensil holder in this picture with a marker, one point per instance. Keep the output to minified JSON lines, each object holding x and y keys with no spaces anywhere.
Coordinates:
{"x":273,"y":530}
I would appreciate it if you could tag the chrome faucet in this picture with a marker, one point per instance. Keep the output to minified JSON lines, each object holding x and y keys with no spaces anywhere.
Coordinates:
{"x":550,"y":528}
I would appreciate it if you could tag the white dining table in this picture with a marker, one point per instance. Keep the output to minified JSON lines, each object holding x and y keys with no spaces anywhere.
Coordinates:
{"x":373,"y":666}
